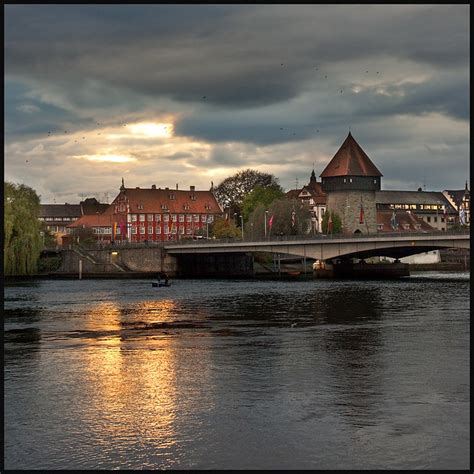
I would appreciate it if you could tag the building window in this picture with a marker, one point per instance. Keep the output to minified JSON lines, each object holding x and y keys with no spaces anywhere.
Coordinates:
{"x":157,"y":217}
{"x":210,"y":219}
{"x":171,"y":196}
{"x":149,"y":217}
{"x":207,"y":207}
{"x":134,"y":230}
{"x":435,"y":219}
{"x":442,"y":219}
{"x":142,"y":230}
{"x":150,"y":229}
{"x":166,"y":218}
{"x":203,"y":218}
{"x":166,"y":229}
{"x":134,"y":217}
{"x":379,"y":226}
{"x":428,"y":219}
{"x":375,"y":181}
{"x":181,"y":218}
{"x":193,"y":197}
{"x":186,"y":207}
{"x":173,"y":217}
{"x":181,"y":230}
{"x":189,"y":218}
{"x":142,"y":218}
{"x":140,"y":206}
{"x":157,"y":229}
{"x":188,"y":230}
{"x":344,"y":180}
{"x":350,"y":180}
{"x":196,"y":218}
{"x":118,"y":231}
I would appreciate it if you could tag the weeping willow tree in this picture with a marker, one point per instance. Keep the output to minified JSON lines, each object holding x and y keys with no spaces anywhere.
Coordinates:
{"x":22,"y":239}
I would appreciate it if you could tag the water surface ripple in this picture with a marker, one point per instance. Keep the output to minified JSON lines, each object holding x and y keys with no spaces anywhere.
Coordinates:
{"x":103,"y":374}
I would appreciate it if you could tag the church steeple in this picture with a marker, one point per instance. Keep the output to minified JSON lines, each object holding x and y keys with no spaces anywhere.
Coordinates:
{"x":122,"y":188}
{"x":313,"y":177}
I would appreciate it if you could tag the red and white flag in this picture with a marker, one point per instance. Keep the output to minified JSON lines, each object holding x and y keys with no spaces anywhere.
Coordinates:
{"x":270,"y":222}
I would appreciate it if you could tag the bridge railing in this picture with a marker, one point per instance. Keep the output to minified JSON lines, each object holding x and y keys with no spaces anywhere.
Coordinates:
{"x":273,"y":238}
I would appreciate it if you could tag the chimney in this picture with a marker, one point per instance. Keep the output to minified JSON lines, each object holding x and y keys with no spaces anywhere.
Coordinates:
{"x":192,"y":188}
{"x":166,"y":189}
{"x":153,"y":186}
{"x":176,"y":186}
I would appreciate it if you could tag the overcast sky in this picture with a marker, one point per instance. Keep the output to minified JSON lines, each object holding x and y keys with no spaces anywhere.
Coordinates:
{"x":189,"y":94}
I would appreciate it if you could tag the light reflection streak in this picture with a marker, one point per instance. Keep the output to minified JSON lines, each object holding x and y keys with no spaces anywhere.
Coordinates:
{"x":131,"y":391}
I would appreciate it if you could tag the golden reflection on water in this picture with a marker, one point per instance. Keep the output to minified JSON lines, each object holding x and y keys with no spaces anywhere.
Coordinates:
{"x":131,"y":375}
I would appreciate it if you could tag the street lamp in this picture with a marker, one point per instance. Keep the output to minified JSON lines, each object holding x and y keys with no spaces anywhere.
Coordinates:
{"x":242,"y":225}
{"x":42,"y":235}
{"x":265,"y":222}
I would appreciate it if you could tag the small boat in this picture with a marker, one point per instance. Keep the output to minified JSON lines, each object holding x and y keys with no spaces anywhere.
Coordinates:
{"x":159,"y":284}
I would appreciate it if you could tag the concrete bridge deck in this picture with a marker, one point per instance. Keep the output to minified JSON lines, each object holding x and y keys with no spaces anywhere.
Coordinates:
{"x":395,"y":245}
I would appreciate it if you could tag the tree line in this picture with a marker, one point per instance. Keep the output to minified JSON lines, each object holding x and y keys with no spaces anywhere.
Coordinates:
{"x":22,"y":243}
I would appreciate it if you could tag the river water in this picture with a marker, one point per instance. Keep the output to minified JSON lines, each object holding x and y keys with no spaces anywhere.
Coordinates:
{"x":216,"y":374}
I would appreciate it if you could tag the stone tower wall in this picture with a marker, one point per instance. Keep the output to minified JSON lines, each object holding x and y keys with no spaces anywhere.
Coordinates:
{"x":347,"y":205}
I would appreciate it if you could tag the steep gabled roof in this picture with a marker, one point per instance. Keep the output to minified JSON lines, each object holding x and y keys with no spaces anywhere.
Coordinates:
{"x":350,"y":160}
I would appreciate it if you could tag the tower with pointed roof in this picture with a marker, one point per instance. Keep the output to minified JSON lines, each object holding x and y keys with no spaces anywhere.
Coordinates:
{"x":350,"y":181}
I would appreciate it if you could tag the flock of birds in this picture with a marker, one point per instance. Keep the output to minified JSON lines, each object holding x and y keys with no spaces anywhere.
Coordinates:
{"x":204,"y":97}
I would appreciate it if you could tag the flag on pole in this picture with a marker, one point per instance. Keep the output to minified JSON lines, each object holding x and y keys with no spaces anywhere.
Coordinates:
{"x":293,"y":218}
{"x":270,"y":222}
{"x":393,"y":220}
{"x":462,"y":215}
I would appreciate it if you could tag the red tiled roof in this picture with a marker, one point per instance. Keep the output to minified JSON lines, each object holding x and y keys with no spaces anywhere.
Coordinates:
{"x":97,"y":220}
{"x":406,"y":222}
{"x":350,"y":160}
{"x":152,"y":200}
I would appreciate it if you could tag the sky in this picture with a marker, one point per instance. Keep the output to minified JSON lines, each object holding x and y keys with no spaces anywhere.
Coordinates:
{"x":189,"y":95}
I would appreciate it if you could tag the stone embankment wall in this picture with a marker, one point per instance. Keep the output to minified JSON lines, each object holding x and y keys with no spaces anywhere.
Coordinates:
{"x":126,"y":260}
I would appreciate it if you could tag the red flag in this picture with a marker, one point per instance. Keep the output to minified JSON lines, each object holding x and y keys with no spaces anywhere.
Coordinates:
{"x":270,"y":222}
{"x":361,"y":217}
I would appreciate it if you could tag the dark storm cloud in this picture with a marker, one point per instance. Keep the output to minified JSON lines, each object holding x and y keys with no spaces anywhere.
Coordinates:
{"x":269,"y":84}
{"x":230,"y":55}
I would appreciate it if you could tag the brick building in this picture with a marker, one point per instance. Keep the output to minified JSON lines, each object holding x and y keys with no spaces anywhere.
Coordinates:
{"x":154,"y":214}
{"x":57,"y":217}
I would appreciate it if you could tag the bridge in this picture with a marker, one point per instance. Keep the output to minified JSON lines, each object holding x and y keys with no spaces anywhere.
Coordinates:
{"x":327,"y":248}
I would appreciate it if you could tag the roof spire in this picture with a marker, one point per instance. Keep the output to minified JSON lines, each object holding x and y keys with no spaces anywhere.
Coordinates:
{"x":123,"y":186}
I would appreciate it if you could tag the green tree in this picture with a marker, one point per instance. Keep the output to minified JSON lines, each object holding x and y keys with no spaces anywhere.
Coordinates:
{"x":336,"y":223}
{"x":260,"y":195}
{"x":22,"y":239}
{"x":231,"y":192}
{"x":283,"y":222}
{"x":224,"y":229}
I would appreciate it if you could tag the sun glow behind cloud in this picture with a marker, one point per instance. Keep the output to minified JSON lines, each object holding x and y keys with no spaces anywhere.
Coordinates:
{"x":109,"y":158}
{"x":152,"y":130}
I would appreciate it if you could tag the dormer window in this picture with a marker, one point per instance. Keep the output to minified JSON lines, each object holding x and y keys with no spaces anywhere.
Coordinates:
{"x":140,"y":206}
{"x":171,"y":196}
{"x":186,"y":207}
{"x":193,"y":197}
{"x":207,"y":207}
{"x":164,"y":206}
